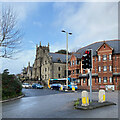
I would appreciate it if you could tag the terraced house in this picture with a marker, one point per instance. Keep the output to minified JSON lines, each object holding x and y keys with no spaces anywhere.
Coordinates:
{"x":106,"y":65}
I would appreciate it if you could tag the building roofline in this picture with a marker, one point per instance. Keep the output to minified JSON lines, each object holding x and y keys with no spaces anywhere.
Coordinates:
{"x":59,"y":53}
{"x":98,"y":42}
{"x":103,"y":44}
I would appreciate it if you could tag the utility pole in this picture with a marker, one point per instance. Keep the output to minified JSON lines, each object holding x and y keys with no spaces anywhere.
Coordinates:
{"x":90,"y":85}
{"x":67,"y":59}
{"x":66,"y":56}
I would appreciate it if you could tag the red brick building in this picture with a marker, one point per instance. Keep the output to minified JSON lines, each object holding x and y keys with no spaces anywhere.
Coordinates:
{"x":106,"y":65}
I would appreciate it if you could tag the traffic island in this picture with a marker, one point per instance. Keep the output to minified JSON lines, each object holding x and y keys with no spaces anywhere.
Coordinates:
{"x":93,"y":105}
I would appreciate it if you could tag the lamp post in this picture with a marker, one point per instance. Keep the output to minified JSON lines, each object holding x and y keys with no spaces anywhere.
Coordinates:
{"x":66,"y":56}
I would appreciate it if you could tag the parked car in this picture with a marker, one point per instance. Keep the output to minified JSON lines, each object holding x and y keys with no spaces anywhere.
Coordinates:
{"x":26,"y":85}
{"x":37,"y":86}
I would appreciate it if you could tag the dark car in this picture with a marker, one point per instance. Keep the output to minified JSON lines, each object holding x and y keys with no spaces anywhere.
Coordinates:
{"x":55,"y":86}
{"x":37,"y":86}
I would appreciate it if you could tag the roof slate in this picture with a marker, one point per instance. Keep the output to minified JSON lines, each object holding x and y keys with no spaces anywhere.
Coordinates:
{"x":112,"y":43}
{"x":57,"y":56}
{"x":77,"y":55}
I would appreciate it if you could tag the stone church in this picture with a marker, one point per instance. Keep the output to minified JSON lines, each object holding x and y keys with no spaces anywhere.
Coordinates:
{"x":48,"y":65}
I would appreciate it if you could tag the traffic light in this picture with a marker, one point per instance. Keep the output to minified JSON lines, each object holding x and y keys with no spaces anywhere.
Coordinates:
{"x":87,"y":59}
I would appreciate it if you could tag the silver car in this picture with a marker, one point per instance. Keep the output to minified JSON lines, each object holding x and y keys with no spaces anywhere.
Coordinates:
{"x":26,"y":85}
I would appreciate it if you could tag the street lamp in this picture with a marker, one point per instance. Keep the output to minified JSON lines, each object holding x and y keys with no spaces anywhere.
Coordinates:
{"x":66,"y":55}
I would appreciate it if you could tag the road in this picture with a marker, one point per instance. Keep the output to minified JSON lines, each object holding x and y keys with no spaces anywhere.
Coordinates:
{"x":39,"y":92}
{"x":55,"y":104}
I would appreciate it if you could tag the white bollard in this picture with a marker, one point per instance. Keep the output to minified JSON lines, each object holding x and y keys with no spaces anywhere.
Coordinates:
{"x":85,"y":98}
{"x":61,"y":88}
{"x":73,"y":88}
{"x":101,"y":96}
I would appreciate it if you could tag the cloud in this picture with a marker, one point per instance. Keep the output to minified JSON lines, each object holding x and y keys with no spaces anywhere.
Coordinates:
{"x":22,"y":9}
{"x":56,"y":46}
{"x":89,"y":22}
{"x":16,"y":66}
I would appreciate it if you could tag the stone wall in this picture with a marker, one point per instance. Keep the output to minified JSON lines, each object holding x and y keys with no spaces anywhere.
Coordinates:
{"x":59,"y":70}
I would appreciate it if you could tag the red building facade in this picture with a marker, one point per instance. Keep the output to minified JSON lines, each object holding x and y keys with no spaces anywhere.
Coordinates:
{"x":106,"y":65}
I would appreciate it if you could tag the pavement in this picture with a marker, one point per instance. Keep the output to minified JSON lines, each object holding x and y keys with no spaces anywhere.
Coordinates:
{"x":11,"y":99}
{"x":93,"y":105}
{"x":57,"y":105}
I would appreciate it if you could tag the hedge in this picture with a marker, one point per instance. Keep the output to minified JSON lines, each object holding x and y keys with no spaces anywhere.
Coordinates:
{"x":11,"y":86}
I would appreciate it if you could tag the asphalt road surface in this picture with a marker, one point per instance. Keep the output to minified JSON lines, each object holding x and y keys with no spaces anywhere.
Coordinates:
{"x":39,"y":92}
{"x":57,"y":105}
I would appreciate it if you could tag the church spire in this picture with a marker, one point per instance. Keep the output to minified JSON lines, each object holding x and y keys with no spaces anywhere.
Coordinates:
{"x":40,"y":43}
{"x":28,"y":64}
{"x":48,"y":44}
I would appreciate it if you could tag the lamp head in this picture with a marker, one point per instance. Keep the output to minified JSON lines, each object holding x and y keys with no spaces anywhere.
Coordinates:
{"x":63,"y":31}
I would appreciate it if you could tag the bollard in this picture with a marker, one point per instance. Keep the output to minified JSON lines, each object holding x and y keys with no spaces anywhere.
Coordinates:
{"x":49,"y":83}
{"x":85,"y":98}
{"x":61,"y":87}
{"x":73,"y":88}
{"x":48,"y":86}
{"x":101,"y":96}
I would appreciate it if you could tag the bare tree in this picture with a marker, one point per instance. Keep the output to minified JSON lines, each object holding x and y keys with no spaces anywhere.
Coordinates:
{"x":10,"y":34}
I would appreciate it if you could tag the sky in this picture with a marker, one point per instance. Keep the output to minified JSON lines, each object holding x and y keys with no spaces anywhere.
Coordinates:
{"x":43,"y":21}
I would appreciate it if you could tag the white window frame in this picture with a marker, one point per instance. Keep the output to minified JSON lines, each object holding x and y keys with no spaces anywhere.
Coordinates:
{"x":110,"y":57}
{"x":73,"y":62}
{"x":104,"y":68}
{"x":78,"y":80}
{"x":110,"y":79}
{"x":105,"y":80}
{"x":99,"y":58}
{"x":84,"y":80}
{"x":110,"y":68}
{"x":104,"y":57}
{"x":99,"y":68}
{"x":99,"y":79}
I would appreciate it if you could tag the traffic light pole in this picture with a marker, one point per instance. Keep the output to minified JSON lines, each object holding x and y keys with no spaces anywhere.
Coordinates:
{"x":90,"y":85}
{"x":87,"y":64}
{"x":67,"y":59}
{"x":91,"y":76}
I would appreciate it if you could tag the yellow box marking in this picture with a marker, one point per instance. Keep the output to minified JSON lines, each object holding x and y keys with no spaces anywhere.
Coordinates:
{"x":84,"y":100}
{"x":103,"y":97}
